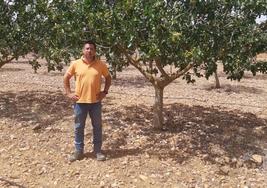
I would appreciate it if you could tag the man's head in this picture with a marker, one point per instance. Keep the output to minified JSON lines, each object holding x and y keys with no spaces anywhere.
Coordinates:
{"x":89,"y":50}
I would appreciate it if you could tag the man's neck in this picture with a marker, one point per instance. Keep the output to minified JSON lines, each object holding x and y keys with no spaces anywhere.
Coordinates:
{"x":88,"y":61}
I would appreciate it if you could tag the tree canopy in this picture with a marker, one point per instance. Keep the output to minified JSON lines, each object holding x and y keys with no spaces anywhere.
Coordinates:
{"x":164,"y":40}
{"x":50,"y":29}
{"x":185,"y":35}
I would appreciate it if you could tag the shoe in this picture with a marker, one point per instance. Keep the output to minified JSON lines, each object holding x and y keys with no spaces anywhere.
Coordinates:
{"x":77,"y":155}
{"x":100,"y":157}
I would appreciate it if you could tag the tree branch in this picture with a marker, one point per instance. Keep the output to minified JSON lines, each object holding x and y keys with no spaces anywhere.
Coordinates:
{"x":162,"y":71}
{"x":181,"y":72}
{"x":3,"y":62}
{"x":137,"y":65}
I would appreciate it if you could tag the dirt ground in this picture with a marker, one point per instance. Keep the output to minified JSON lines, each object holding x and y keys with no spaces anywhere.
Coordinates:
{"x":212,"y":137}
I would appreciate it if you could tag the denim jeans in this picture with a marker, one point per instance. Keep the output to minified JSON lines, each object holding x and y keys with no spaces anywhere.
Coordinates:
{"x":81,"y":110}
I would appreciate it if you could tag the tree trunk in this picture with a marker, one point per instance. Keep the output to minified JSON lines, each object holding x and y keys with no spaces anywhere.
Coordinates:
{"x":3,"y":62}
{"x":114,"y":72}
{"x":114,"y":75}
{"x":158,"y":108}
{"x":217,"y":81}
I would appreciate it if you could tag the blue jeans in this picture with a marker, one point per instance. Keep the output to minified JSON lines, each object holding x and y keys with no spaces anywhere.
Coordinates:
{"x":81,"y":110}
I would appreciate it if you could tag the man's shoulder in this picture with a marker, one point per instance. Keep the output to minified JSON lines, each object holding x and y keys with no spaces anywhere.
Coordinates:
{"x":77,"y":61}
{"x":101,"y":63}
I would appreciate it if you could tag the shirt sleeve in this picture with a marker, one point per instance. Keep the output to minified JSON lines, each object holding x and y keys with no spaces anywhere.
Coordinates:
{"x":105,"y":71}
{"x":71,"y":69}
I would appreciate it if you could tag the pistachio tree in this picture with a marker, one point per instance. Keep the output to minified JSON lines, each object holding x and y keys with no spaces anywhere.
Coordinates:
{"x":163,"y":39}
{"x":14,"y":32}
{"x":51,"y":29}
{"x":189,"y":36}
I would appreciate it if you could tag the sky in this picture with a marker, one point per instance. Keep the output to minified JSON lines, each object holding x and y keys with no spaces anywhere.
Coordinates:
{"x":261,"y":19}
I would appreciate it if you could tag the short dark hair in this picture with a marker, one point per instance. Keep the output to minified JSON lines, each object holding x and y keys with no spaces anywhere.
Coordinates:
{"x":89,"y":42}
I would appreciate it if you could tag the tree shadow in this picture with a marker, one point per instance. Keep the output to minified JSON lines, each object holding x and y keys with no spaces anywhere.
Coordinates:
{"x":137,"y":81}
{"x":256,"y":77}
{"x":4,"y":69}
{"x":53,"y":73}
{"x":232,"y":132}
{"x":42,"y":108}
{"x":209,"y":133}
{"x":115,"y":153}
{"x":227,"y":88}
{"x":247,"y":75}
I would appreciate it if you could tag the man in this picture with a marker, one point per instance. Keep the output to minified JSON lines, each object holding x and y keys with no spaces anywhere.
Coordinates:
{"x":88,"y":72}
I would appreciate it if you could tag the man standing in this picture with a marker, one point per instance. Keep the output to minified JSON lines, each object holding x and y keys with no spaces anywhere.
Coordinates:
{"x":88,"y":72}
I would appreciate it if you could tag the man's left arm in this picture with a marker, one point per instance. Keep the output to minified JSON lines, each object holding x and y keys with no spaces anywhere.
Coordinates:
{"x":103,"y":93}
{"x":107,"y":83}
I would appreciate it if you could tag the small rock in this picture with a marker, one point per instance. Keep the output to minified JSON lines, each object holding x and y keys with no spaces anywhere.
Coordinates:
{"x":36,"y":127}
{"x":227,"y":160}
{"x":259,"y":130}
{"x":24,"y":148}
{"x":224,"y":170}
{"x":241,"y":130}
{"x":153,"y":176}
{"x":124,"y":162}
{"x":257,"y":158}
{"x":147,"y":156}
{"x":48,"y":128}
{"x":180,"y":185}
{"x":114,"y":185}
{"x":102,"y":184}
{"x":239,"y":163}
{"x":142,"y":177}
{"x":12,"y":137}
{"x":234,"y":160}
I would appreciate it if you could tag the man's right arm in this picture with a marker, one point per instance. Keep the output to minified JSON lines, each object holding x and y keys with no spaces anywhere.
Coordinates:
{"x":68,"y":92}
{"x":67,"y":78}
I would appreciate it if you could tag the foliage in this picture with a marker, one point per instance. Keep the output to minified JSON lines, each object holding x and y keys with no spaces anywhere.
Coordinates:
{"x":184,"y":35}
{"x":164,"y":40}
{"x":49,"y":29}
{"x":15,"y":32}
{"x":181,"y":32}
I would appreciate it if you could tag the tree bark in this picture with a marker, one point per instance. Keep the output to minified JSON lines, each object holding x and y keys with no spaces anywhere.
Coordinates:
{"x":158,"y":108}
{"x":217,"y":81}
{"x":114,"y":72}
{"x":3,"y":62}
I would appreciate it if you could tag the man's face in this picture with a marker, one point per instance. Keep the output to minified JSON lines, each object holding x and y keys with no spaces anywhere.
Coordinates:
{"x":89,"y":51}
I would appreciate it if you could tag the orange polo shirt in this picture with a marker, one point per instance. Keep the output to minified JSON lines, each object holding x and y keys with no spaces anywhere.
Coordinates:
{"x":87,"y":79}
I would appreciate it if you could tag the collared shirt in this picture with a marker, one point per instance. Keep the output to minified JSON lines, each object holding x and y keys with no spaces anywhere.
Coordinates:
{"x":87,"y":79}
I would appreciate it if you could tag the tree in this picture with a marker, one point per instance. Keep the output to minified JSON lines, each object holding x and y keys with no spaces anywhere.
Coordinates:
{"x":49,"y":29}
{"x":15,"y":31}
{"x":188,"y":35}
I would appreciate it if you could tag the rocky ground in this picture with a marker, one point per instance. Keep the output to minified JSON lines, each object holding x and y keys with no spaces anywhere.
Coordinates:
{"x":212,"y":137}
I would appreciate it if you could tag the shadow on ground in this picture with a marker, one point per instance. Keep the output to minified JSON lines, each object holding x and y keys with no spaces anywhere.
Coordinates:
{"x":209,"y":133}
{"x":137,"y":81}
{"x":256,"y":77}
{"x":10,"y":69}
{"x":247,"y":75}
{"x":42,"y":108}
{"x":227,"y":88}
{"x":115,"y":153}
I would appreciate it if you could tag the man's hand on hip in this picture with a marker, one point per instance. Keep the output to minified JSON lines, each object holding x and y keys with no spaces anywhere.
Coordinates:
{"x":73,"y":97}
{"x":100,"y":96}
